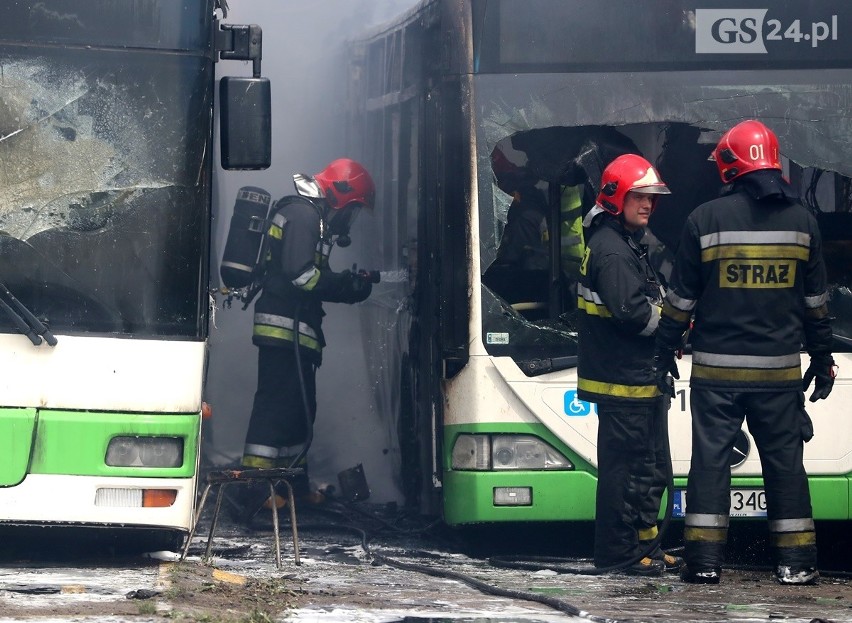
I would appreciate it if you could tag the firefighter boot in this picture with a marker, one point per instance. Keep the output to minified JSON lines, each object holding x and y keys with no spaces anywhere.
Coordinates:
{"x":708,"y":575}
{"x":299,"y":482}
{"x":796,"y":575}
{"x":794,"y":550}
{"x":246,"y":500}
{"x":302,"y":491}
{"x":647,"y":567}
{"x":671,"y":562}
{"x":704,"y":540}
{"x":703,"y":560}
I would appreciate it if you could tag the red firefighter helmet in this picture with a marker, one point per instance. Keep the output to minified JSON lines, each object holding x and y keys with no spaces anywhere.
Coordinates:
{"x":746,"y":147}
{"x":501,"y":164}
{"x":626,"y":173}
{"x":346,"y":182}
{"x":510,"y":176}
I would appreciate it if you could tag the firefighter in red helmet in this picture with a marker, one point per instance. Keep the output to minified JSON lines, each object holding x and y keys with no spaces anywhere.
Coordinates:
{"x":524,"y":243}
{"x":296,"y":282}
{"x":619,"y":298}
{"x":749,"y":270}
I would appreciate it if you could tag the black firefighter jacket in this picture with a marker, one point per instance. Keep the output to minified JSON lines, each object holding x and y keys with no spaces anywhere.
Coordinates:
{"x":298,"y":276}
{"x":619,"y":299}
{"x":750,"y":270}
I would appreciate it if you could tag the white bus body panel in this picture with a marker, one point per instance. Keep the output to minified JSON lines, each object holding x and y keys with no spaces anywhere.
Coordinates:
{"x":57,"y":499}
{"x":493,"y":389}
{"x":102,"y":374}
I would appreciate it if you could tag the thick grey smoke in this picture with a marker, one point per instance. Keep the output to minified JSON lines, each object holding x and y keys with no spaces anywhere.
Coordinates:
{"x":303,"y":54}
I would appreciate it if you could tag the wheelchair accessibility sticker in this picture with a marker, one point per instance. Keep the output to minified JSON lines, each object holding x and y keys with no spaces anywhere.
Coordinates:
{"x":574,"y":406}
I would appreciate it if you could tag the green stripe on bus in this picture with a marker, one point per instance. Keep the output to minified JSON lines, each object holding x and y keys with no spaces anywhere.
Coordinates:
{"x":570,"y":495}
{"x":74,"y":443}
{"x":16,"y":439}
{"x":557,"y":496}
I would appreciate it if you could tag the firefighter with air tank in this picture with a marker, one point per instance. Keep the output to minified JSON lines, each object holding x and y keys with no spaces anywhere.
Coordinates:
{"x":294,"y":279}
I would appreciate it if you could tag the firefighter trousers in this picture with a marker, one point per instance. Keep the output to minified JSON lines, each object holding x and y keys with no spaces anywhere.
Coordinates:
{"x":278,"y":419}
{"x":780,"y":426}
{"x":632,"y":463}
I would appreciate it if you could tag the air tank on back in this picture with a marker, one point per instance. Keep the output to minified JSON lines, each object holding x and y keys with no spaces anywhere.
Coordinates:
{"x":245,"y":236}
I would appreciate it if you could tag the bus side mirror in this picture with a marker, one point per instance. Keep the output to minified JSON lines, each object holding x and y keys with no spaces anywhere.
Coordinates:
{"x":245,"y":123}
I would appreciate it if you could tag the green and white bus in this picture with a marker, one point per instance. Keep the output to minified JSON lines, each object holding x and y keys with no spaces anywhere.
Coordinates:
{"x":106,"y":162}
{"x":490,"y":426}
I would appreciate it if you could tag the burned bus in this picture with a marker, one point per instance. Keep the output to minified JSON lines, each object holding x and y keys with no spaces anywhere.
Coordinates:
{"x":452,"y":99}
{"x":106,"y":167}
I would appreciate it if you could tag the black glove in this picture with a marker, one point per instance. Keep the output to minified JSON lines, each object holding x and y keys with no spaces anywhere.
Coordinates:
{"x":359,"y":286}
{"x":821,"y":369}
{"x":664,"y":365}
{"x":373,"y":276}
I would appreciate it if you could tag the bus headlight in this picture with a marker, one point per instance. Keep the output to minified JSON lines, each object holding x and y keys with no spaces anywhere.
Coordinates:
{"x":145,"y":452}
{"x":506,"y":452}
{"x":472,"y":452}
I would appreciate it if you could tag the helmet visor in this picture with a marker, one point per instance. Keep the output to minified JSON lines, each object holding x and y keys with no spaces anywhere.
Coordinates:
{"x":655,"y":189}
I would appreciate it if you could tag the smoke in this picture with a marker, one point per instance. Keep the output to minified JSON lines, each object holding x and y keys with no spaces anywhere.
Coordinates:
{"x":303,"y":57}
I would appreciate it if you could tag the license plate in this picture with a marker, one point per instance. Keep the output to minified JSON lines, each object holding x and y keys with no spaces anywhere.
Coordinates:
{"x":744,"y":503}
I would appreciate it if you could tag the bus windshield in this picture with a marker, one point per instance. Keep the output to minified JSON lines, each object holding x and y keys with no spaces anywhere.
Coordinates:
{"x":103,"y":192}
{"x":544,"y":139}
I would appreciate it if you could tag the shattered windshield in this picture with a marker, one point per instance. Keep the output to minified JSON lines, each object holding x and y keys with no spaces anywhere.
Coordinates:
{"x":545,"y":139}
{"x":104,"y":160}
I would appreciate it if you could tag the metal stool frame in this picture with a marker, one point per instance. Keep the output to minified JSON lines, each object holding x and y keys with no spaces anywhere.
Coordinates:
{"x":243,"y":476}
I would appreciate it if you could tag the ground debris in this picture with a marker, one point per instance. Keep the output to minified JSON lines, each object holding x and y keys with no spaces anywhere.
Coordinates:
{"x":142,"y":593}
{"x":338,"y":582}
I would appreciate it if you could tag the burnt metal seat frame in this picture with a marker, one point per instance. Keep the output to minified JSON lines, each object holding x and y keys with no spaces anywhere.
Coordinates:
{"x":226,"y":477}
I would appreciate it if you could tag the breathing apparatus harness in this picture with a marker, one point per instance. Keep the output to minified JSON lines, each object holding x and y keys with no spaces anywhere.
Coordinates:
{"x":243,"y":267}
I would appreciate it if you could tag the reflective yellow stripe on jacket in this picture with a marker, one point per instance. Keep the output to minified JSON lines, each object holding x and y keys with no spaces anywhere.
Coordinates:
{"x":281,"y":328}
{"x":617,"y":390}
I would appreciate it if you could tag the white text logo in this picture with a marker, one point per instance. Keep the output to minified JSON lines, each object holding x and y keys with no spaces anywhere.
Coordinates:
{"x":729,"y":31}
{"x":742,"y":31}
